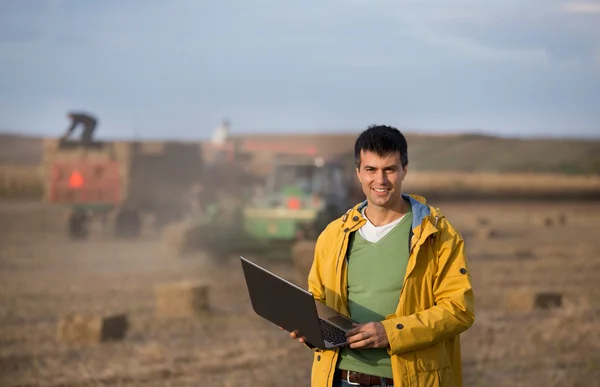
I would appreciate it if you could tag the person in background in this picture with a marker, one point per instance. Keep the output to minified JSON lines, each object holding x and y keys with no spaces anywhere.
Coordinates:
{"x":88,"y":122}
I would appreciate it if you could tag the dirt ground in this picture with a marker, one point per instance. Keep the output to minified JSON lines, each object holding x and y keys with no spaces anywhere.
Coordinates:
{"x":512,"y":255}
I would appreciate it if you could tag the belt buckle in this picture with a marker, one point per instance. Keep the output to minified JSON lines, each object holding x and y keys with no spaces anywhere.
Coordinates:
{"x":348,"y":379}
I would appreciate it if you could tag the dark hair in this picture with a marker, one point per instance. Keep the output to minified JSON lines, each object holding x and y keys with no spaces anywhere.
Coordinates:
{"x":382,"y":140}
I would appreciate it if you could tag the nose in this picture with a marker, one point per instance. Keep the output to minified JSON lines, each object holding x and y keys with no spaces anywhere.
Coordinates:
{"x":381,"y":177}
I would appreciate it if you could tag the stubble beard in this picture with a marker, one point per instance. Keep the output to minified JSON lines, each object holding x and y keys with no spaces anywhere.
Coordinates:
{"x":387,"y":202}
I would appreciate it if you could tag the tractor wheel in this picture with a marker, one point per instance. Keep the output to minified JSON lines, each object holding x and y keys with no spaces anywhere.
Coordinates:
{"x":128,"y":224}
{"x":78,"y":225}
{"x":302,"y":257}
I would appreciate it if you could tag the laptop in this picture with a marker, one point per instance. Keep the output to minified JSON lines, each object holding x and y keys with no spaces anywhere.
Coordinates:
{"x":293,"y":308}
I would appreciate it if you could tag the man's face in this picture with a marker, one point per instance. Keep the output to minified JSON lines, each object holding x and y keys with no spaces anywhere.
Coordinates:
{"x":381,"y":178}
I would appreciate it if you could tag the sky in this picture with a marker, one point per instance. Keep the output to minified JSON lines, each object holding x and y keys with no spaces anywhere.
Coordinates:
{"x":175,"y":69}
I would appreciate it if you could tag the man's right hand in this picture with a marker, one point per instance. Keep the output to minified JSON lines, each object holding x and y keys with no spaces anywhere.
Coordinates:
{"x":294,"y":335}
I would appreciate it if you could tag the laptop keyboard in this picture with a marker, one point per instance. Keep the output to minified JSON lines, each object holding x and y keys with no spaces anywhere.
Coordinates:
{"x":332,"y":333}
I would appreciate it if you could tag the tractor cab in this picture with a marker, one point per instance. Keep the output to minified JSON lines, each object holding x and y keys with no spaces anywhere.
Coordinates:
{"x":306,"y":183}
{"x":300,"y":197}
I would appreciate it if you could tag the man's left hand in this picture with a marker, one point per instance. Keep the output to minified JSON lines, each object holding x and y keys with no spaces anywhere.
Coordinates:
{"x":369,"y":335}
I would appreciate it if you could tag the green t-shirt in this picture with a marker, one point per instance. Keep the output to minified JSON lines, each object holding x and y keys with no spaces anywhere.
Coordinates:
{"x":375,"y":278}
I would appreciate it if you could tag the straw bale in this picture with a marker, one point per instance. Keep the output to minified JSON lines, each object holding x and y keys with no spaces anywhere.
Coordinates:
{"x":91,"y":329}
{"x":547,"y":221}
{"x":561,"y":219}
{"x":484,"y":232}
{"x":522,"y":300}
{"x":544,"y":220}
{"x":523,"y":253}
{"x":548,"y":300}
{"x":182,"y":299}
{"x":483,"y":221}
{"x":550,"y":220}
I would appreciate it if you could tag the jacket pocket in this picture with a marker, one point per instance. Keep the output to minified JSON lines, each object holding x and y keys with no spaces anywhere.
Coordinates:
{"x":432,"y":358}
{"x":437,"y":378}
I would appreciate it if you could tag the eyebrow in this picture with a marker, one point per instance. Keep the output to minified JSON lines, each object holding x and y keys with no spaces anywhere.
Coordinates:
{"x":392,"y":166}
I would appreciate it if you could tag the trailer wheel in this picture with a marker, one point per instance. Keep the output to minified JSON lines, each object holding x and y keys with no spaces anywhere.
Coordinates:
{"x":78,"y":222}
{"x":127,"y":224}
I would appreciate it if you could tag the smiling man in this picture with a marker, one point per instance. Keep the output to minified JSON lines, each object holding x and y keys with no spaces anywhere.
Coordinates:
{"x":397,"y":267}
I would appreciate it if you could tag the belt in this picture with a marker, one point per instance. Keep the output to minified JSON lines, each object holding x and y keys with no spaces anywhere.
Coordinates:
{"x":364,"y":379}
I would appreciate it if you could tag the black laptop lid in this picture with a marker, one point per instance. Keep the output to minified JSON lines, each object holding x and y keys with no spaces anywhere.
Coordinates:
{"x":282,"y":303}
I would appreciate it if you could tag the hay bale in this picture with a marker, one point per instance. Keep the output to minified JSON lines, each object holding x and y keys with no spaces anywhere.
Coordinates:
{"x":518,"y":301}
{"x":550,"y":220}
{"x":485,"y":232}
{"x":547,"y":221}
{"x":90,"y":329}
{"x":523,"y":254}
{"x":483,"y":221}
{"x":561,"y":219}
{"x":526,"y":301}
{"x":548,"y":300}
{"x":544,"y":220}
{"x":182,"y":299}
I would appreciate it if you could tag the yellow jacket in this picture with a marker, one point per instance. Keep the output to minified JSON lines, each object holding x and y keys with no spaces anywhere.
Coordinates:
{"x":436,"y":302}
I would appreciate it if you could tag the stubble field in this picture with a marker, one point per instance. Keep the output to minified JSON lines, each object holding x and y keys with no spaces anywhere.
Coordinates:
{"x":513,"y":255}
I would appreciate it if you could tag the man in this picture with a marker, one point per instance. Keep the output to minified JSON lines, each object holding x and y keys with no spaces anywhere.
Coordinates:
{"x":397,"y":267}
{"x":89,"y":125}
{"x":219,"y":142}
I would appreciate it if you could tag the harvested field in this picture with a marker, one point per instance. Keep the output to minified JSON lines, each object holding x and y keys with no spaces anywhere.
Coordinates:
{"x":45,"y":277}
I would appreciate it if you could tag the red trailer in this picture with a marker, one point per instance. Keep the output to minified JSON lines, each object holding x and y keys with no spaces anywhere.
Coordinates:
{"x":120,"y":181}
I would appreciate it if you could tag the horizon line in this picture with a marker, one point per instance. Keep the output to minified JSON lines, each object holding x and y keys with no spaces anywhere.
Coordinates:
{"x":413,"y":132}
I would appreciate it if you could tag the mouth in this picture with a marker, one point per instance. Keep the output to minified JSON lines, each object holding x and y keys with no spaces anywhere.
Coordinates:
{"x":381,"y":190}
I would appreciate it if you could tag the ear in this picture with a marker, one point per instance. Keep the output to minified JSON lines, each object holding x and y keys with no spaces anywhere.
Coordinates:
{"x":358,"y":174}
{"x":404,"y":172}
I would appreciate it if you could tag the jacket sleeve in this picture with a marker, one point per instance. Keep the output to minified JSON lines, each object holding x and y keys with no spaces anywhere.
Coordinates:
{"x":453,"y":310}
{"x":315,"y":284}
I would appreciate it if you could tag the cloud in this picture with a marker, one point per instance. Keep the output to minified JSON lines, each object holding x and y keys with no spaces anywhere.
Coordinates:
{"x":156,"y":64}
{"x":538,"y":34}
{"x":583,"y":7}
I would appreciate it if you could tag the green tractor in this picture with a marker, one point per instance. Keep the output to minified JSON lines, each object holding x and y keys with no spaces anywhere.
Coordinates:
{"x":302,"y":195}
{"x":280,"y":218}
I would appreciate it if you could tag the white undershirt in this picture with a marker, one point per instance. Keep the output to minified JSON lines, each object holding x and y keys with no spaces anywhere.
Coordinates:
{"x":373,"y":233}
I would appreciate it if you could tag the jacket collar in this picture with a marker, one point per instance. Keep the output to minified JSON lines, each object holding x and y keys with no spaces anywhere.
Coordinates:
{"x":418,"y":203}
{"x":424,"y":224}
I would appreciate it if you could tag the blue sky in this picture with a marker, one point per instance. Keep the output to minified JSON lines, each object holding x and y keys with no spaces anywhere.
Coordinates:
{"x":174,"y":69}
